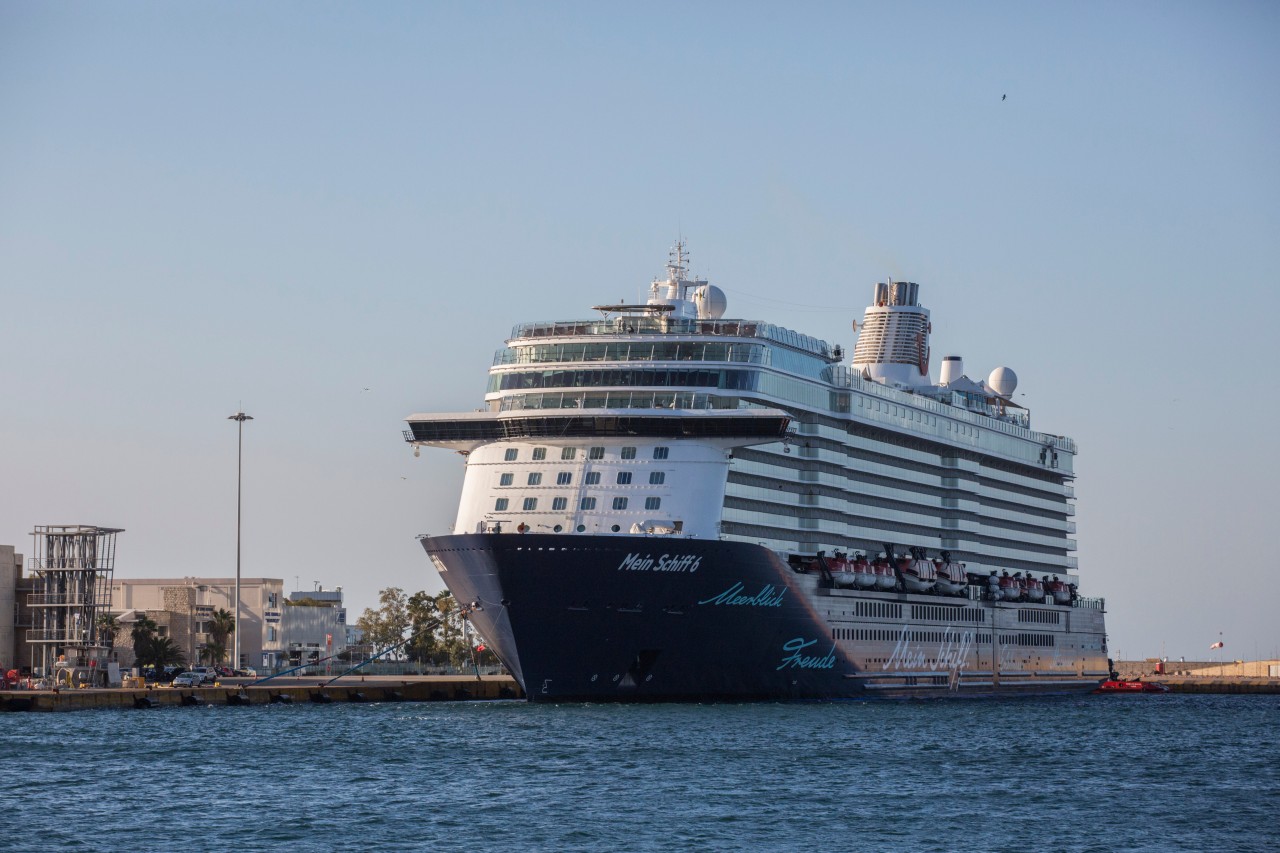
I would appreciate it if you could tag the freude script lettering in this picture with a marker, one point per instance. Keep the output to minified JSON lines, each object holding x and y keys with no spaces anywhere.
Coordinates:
{"x":951,"y":653}
{"x":796,"y":660}
{"x":665,"y":563}
{"x":769,"y":596}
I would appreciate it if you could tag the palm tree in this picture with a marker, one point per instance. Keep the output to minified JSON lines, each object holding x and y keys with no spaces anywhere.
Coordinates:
{"x":165,"y":651}
{"x":214,"y":652}
{"x":143,"y":635}
{"x":108,"y":628}
{"x":221,"y":627}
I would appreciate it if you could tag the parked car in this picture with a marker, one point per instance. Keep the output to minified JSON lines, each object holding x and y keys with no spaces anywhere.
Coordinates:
{"x":188,"y":679}
{"x":247,"y":672}
{"x":223,"y":672}
{"x":208,"y":674}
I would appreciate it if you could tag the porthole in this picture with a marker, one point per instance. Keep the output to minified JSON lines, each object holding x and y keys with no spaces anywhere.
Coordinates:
{"x":581,"y":528}
{"x":615,"y":528}
{"x":558,"y":528}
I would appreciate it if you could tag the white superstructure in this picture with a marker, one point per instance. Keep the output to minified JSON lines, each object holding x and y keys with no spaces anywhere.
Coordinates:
{"x":665,"y":418}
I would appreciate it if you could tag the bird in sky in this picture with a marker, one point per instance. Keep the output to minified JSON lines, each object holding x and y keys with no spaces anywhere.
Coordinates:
{"x":1002,"y":97}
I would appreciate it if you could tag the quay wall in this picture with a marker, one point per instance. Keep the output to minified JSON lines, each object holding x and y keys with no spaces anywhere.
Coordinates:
{"x":443,"y":688}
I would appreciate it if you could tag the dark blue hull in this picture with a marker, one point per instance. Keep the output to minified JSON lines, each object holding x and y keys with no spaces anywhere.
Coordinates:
{"x":650,"y":619}
{"x":633,"y":618}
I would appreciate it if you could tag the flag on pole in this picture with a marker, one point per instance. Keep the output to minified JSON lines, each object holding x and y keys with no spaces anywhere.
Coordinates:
{"x":1216,"y":645}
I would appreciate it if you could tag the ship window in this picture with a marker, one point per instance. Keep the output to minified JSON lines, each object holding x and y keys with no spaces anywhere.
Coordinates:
{"x":619,"y":503}
{"x":587,"y":503}
{"x":559,"y":503}
{"x":530,"y":504}
{"x":558,"y":528}
{"x":657,"y":478}
{"x":535,"y":479}
{"x":624,"y":478}
{"x":568,"y":452}
{"x":596,"y":453}
{"x":505,"y":479}
{"x":564,"y":478}
{"x":511,"y":454}
{"x":500,"y":504}
{"x":628,"y":453}
{"x":661,"y":452}
{"x":539,"y":453}
{"x":615,"y":528}
{"x":581,"y":527}
{"x":652,"y":503}
{"x":593,"y":478}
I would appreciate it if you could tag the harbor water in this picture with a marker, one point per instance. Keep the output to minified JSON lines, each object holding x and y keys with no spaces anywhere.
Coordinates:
{"x":1093,"y":773}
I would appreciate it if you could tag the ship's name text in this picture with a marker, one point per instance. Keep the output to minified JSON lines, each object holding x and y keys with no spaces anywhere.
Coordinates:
{"x":796,"y":660}
{"x":768,"y":596}
{"x":665,"y":563}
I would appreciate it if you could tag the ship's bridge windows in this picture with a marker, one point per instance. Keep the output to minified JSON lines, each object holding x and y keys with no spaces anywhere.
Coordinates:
{"x":624,"y":478}
{"x":593,"y":478}
{"x":587,"y":503}
{"x":500,"y":505}
{"x":535,"y":479}
{"x":652,"y":503}
{"x":539,"y":453}
{"x":506,"y":479}
{"x":619,"y":503}
{"x":530,"y":504}
{"x":657,"y":478}
{"x":661,"y":452}
{"x":511,"y":454}
{"x":568,"y":453}
{"x":564,"y":478}
{"x":559,"y":503}
{"x":628,"y":453}
{"x":596,"y":453}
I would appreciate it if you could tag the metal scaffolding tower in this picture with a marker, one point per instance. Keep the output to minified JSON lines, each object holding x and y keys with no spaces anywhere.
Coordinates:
{"x":72,"y":569}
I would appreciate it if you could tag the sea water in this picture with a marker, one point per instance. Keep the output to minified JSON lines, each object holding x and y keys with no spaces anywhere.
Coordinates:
{"x":1093,"y":773}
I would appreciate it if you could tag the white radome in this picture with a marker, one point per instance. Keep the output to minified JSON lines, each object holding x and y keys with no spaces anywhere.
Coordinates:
{"x":1003,"y":381}
{"x":711,"y":302}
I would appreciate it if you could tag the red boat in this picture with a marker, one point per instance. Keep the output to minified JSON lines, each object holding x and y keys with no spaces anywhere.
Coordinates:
{"x":1135,"y":686}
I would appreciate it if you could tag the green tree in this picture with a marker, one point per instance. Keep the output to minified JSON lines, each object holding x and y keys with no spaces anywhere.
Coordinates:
{"x":221,"y":627}
{"x":108,"y":628}
{"x":386,"y":626}
{"x":164,"y":651}
{"x":422,"y":616}
{"x":451,"y":638}
{"x":143,"y":636}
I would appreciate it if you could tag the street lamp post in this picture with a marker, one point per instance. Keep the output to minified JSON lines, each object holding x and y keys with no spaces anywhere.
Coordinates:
{"x":240,"y":418}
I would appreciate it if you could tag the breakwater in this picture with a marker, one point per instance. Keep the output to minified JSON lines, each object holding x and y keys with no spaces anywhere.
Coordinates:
{"x":432,"y":688}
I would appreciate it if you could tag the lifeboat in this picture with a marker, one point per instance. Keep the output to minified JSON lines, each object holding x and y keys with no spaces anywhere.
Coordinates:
{"x":864,"y":574}
{"x":841,"y":570}
{"x":885,"y":577}
{"x":1010,"y":587}
{"x":1114,"y":685}
{"x":952,"y":579}
{"x":1032,"y":589}
{"x":918,"y":573}
{"x":1060,"y":591}
{"x":993,"y":586}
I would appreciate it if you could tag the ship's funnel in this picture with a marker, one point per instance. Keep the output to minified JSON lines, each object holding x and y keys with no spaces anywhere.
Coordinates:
{"x":951,"y":370}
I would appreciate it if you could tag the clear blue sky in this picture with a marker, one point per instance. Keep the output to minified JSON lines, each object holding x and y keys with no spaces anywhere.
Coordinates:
{"x":284,"y":204}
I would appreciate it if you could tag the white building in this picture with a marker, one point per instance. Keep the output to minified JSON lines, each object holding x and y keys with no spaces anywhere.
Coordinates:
{"x":183,"y":608}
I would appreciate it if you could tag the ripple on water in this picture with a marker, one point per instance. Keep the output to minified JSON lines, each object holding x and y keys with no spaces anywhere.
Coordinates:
{"x":1092,"y":773}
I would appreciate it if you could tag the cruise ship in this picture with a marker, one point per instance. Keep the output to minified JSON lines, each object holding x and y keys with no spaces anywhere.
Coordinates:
{"x":663,"y":504}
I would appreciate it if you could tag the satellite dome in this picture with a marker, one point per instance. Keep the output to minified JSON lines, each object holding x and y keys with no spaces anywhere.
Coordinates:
{"x":1003,"y":381}
{"x":710,"y":301}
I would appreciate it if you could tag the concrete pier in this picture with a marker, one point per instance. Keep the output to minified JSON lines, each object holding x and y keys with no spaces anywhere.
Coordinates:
{"x":293,"y":691}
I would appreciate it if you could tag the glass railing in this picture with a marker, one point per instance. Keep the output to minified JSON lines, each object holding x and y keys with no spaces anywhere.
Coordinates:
{"x":631,"y":324}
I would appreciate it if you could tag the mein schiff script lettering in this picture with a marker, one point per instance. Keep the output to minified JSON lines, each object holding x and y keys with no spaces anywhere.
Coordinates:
{"x":665,"y":563}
